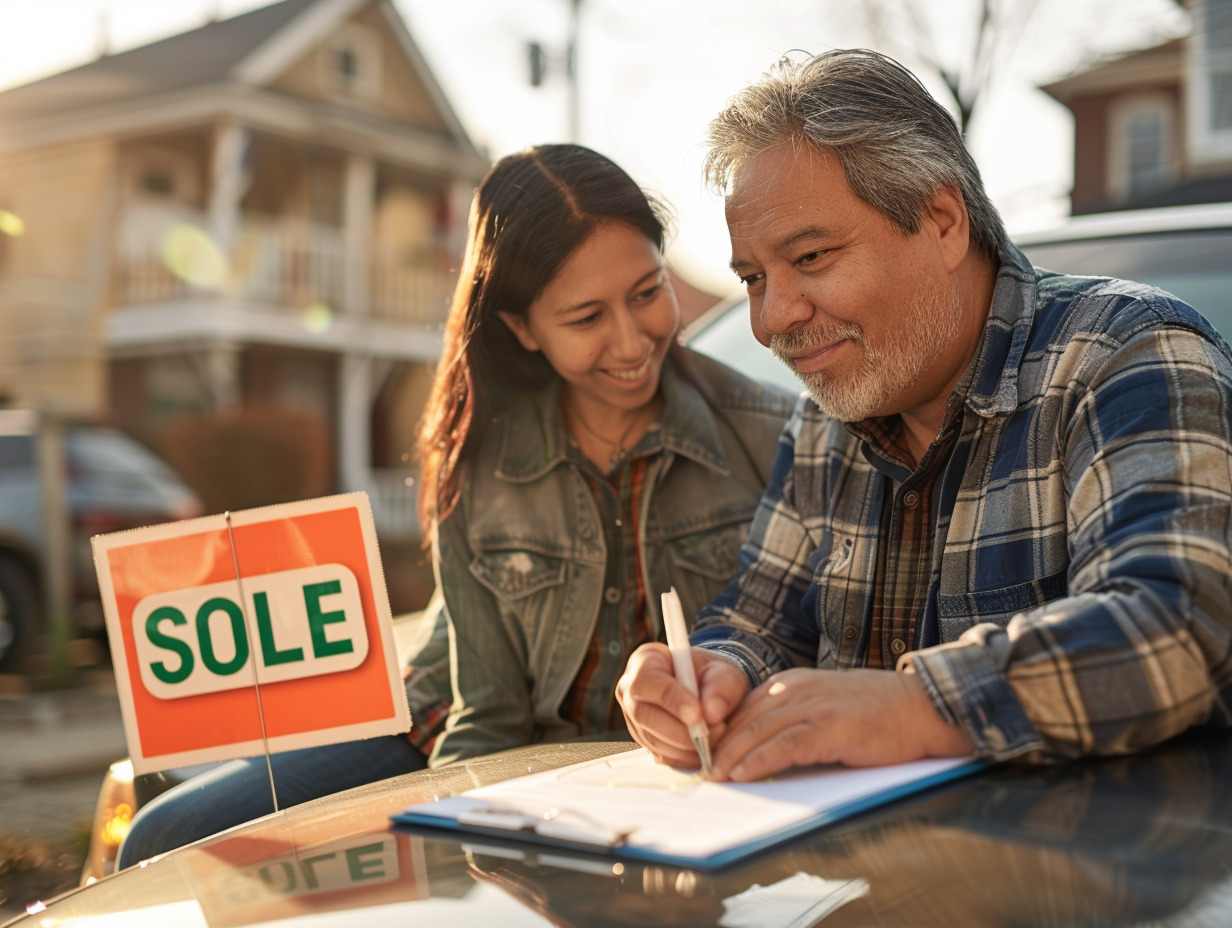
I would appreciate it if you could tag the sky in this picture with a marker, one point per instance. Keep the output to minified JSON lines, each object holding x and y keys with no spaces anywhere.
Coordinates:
{"x":652,"y":73}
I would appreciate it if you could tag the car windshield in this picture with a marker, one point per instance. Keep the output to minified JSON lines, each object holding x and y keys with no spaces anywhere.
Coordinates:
{"x":104,"y":450}
{"x":729,"y":338}
{"x":1195,"y":265}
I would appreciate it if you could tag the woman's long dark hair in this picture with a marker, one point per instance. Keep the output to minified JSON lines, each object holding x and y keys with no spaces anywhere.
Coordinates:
{"x":530,"y":213}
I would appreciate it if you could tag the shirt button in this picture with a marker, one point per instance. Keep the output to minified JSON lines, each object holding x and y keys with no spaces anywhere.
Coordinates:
{"x":613,"y":648}
{"x":849,"y":632}
{"x":898,"y":646}
{"x":612,"y":595}
{"x":911,"y":499}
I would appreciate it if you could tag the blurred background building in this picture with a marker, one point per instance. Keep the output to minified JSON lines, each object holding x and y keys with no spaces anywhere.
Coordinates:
{"x":1154,"y":128}
{"x":239,"y":244}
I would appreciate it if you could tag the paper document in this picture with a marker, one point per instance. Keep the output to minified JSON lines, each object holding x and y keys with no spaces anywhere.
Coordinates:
{"x":628,"y":805}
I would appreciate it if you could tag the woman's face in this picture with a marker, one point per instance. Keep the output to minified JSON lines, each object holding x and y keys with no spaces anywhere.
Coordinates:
{"x":606,"y":319}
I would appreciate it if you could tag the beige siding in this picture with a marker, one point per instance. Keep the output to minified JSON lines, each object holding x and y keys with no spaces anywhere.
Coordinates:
{"x":53,"y":283}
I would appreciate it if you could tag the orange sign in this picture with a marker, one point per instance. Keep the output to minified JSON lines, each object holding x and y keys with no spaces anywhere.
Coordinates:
{"x":263,"y":627}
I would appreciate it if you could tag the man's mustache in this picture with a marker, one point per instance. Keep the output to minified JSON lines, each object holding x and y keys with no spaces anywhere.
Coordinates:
{"x":787,"y":345}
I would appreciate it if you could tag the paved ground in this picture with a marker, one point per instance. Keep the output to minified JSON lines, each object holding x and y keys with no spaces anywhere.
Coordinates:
{"x":54,"y":750}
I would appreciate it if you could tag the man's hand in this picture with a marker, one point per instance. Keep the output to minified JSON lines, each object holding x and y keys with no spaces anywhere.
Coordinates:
{"x":861,"y":718}
{"x":658,"y":709}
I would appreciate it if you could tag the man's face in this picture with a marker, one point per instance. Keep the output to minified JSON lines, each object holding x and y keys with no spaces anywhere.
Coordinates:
{"x":867,"y":317}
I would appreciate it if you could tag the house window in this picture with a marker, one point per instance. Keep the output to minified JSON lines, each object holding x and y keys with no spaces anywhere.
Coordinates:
{"x":1210,"y":74}
{"x":351,"y":62}
{"x":158,"y":183}
{"x":161,"y":174}
{"x":1140,"y":147}
{"x":1146,"y":147}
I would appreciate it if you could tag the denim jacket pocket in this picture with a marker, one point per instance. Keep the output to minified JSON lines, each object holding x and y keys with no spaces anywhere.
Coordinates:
{"x":960,"y":611}
{"x":529,"y":592}
{"x":703,"y":563}
{"x":513,"y":575}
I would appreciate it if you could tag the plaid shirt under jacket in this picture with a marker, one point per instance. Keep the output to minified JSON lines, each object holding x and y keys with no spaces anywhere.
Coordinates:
{"x":1078,"y":599}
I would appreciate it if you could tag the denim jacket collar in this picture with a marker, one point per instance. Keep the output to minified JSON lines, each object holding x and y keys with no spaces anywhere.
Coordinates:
{"x":535,"y":438}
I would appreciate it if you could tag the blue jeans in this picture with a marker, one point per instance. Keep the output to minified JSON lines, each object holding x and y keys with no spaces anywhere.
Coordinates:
{"x":238,"y":791}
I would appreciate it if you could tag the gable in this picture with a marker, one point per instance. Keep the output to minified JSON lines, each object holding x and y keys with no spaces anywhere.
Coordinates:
{"x":362,"y":64}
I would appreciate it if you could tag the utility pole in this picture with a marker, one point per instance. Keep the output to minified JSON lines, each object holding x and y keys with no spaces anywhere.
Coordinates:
{"x":541,"y":62}
{"x":57,"y":543}
{"x":575,"y":16}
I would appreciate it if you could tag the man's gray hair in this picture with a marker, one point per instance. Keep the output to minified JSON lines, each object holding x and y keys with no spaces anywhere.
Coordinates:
{"x":897,"y":145}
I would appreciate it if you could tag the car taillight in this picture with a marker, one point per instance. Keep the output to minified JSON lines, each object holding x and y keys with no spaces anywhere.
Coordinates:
{"x":99,"y":522}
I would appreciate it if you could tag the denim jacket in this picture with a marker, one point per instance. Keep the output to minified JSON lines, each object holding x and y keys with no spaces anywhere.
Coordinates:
{"x":520,"y":561}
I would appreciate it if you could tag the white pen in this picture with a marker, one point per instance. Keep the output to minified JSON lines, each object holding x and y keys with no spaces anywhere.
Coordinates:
{"x":678,"y":644}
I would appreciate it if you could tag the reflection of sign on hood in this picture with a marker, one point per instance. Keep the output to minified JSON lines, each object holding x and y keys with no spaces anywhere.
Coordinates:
{"x":247,"y":880}
{"x":263,"y":628}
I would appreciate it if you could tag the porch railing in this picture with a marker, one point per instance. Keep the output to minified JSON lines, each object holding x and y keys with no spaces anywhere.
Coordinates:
{"x":283,"y":265}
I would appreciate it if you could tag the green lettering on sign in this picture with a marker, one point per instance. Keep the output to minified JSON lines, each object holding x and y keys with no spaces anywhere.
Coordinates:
{"x":206,"y":638}
{"x":152,"y":631}
{"x":308,"y":866}
{"x":269,"y":648}
{"x":361,"y":869}
{"x":317,"y":620}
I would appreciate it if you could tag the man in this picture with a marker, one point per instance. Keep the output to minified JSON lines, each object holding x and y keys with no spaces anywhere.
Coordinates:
{"x":1012,"y":487}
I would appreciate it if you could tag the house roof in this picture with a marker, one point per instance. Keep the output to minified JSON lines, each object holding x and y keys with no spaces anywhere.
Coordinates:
{"x":1162,"y":64}
{"x":249,"y":52}
{"x":201,"y":56}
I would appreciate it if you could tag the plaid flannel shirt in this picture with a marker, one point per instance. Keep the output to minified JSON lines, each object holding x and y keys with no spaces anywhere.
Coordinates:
{"x":1080,"y":587}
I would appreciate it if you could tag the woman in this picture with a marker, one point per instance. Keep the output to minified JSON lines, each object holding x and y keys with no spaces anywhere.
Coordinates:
{"x":575,"y":463}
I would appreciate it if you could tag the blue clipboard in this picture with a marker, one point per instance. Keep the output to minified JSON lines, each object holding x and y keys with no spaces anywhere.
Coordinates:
{"x":627,"y":806}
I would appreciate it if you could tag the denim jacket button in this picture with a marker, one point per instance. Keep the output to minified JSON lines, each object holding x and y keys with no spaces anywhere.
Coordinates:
{"x":849,"y":632}
{"x":612,"y":595}
{"x":613,"y":648}
{"x":586,"y":530}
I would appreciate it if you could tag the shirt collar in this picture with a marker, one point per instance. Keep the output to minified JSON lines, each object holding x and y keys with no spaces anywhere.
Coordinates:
{"x":992,"y":378}
{"x":534,"y":438}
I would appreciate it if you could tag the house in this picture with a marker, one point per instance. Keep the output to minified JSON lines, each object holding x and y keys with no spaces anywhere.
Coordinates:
{"x":1154,"y":128}
{"x":241,"y":235}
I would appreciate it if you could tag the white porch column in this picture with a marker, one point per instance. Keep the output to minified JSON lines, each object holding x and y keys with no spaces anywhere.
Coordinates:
{"x":222,"y":374}
{"x":228,"y":183}
{"x":460,"y":195}
{"x":358,"y":210}
{"x":354,"y":422}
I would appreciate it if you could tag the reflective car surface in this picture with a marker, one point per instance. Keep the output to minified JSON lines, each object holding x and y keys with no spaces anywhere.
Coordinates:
{"x":1144,"y":840}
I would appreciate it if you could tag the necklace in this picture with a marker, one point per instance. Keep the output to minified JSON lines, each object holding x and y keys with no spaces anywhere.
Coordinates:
{"x":619,"y":451}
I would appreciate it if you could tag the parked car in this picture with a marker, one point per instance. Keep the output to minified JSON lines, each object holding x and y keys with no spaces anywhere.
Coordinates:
{"x":111,"y":482}
{"x":1143,"y":840}
{"x":1186,"y":250}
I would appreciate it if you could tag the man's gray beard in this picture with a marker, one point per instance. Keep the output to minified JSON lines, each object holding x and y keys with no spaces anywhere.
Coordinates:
{"x":885,"y":371}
